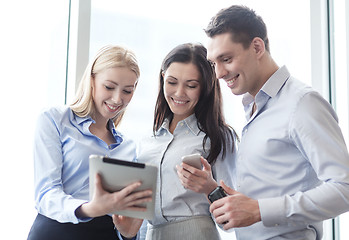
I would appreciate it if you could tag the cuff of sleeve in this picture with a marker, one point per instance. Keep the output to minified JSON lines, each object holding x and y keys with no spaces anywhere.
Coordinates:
{"x":272,"y":211}
{"x":125,"y":238}
{"x":74,"y":206}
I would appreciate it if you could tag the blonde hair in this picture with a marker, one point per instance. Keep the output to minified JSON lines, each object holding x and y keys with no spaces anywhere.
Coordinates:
{"x":110,"y":56}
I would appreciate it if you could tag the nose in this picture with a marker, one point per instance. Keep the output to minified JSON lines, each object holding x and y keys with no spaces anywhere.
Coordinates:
{"x":117,"y":97}
{"x":221,"y":72}
{"x":180,"y":91}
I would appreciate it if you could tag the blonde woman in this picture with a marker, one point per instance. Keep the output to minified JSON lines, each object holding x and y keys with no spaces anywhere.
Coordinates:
{"x":64,"y":139}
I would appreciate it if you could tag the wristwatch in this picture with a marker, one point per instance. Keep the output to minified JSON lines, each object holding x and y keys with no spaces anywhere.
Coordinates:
{"x":216,"y":194}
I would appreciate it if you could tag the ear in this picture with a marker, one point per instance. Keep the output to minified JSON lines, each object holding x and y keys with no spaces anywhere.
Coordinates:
{"x":92,"y":81}
{"x":258,"y":46}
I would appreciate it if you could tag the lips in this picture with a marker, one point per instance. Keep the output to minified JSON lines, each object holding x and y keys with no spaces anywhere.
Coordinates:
{"x":230,"y":82}
{"x":179,"y":102}
{"x":112,"y":108}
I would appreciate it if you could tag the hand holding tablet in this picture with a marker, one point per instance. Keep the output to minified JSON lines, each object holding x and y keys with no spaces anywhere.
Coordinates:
{"x":129,"y":179}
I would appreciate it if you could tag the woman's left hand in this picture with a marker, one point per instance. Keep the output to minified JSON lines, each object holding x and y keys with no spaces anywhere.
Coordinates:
{"x":127,"y":226}
{"x":197,"y":180}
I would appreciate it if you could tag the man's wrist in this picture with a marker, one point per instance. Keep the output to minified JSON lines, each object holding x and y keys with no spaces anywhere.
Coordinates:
{"x":211,"y":188}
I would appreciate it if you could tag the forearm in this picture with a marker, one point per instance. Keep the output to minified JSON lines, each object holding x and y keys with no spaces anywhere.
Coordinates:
{"x":318,"y":204}
{"x":59,"y":206}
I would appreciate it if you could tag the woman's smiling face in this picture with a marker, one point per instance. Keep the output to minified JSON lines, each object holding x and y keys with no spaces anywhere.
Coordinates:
{"x":182,"y":89}
{"x":112,"y":91}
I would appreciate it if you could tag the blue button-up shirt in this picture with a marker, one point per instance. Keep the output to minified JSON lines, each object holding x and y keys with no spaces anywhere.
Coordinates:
{"x":293,"y":159}
{"x":173,"y":201}
{"x":62,"y":147}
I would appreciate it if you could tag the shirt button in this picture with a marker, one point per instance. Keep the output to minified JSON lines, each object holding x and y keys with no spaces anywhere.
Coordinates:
{"x":181,"y":124}
{"x":186,"y":132}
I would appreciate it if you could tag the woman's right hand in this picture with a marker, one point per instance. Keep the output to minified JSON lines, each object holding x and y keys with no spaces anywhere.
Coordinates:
{"x":104,"y":202}
{"x":197,"y":180}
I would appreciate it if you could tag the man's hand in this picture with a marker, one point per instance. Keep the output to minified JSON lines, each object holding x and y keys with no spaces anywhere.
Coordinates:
{"x":235,"y":210}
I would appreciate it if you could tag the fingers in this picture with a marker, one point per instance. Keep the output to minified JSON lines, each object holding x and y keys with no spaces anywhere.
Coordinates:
{"x":98,"y":183}
{"x":116,"y":219}
{"x":131,"y":198}
{"x":138,"y":198}
{"x":130,"y":188}
{"x":190,"y":179}
{"x":227,"y":189}
{"x":205,"y":164}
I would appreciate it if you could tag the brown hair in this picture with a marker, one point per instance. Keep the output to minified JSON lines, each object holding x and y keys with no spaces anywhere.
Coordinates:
{"x":243,"y":24}
{"x":208,"y":110}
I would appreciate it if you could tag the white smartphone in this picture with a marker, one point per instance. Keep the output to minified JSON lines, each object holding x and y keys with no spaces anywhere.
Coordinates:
{"x":193,"y":160}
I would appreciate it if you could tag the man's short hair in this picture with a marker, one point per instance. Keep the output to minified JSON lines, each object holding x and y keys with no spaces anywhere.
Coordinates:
{"x":241,"y":22}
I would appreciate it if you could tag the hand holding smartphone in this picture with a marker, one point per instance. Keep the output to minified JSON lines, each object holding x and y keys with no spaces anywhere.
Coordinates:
{"x":193,"y":160}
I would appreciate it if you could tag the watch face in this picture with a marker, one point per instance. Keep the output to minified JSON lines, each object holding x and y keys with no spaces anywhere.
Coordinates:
{"x":216,"y":194}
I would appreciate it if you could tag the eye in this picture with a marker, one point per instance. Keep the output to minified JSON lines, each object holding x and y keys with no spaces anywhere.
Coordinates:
{"x":171,"y":82}
{"x":192,"y":86}
{"x":109,"y":87}
{"x":127,"y":91}
{"x":227,"y":59}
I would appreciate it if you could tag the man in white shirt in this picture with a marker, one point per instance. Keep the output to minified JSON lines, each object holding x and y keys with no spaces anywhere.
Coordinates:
{"x":292,"y":168}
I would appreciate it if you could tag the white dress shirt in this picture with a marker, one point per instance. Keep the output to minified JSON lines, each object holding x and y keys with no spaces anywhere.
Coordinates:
{"x":293,"y":159}
{"x":173,"y":201}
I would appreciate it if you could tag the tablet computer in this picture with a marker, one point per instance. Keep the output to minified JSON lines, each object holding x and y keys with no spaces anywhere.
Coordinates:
{"x":117,"y":174}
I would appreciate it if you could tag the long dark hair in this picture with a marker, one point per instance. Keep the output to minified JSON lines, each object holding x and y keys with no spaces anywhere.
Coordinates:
{"x":208,"y":110}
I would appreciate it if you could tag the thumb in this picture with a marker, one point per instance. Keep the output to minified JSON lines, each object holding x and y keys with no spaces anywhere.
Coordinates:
{"x":227,"y":189}
{"x":98,"y":183}
{"x":205,"y":164}
{"x":116,"y":218}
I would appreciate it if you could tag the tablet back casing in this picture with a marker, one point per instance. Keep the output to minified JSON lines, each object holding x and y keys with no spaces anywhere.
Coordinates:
{"x":117,"y":174}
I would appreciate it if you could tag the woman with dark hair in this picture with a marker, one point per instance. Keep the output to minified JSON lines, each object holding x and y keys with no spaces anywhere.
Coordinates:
{"x":188,"y":119}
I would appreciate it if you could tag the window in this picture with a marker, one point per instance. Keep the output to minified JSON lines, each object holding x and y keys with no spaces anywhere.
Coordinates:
{"x":340,"y":81}
{"x":153,"y":28}
{"x":33,"y":50}
{"x":34,"y":59}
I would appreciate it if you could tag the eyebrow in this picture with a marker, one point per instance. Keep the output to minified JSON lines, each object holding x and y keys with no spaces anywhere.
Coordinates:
{"x":188,"y":80}
{"x":219,"y":57}
{"x":118,"y":84}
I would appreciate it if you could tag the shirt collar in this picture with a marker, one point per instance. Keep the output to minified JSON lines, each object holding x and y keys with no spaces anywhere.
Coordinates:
{"x":276,"y":81}
{"x":117,"y":135}
{"x":190,"y":122}
{"x":80,"y":120}
{"x":271,"y":87}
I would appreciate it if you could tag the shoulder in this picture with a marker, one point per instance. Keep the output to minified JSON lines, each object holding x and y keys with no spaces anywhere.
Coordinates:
{"x":56,"y":112}
{"x":297,"y":88}
{"x":57,"y":116}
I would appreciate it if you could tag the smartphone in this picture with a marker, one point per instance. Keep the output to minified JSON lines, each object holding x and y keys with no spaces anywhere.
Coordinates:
{"x":193,"y":160}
